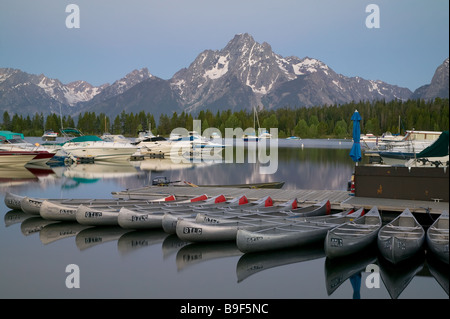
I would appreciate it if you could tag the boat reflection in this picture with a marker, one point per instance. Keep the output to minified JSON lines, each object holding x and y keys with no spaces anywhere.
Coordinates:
{"x":57,"y":231}
{"x":18,"y":175}
{"x":34,"y":225}
{"x":16,"y":216}
{"x":195,"y":253}
{"x":439,"y":270}
{"x":95,"y":236}
{"x":100,"y":170}
{"x":169,"y":164}
{"x":136,"y":240}
{"x":252,"y":263}
{"x":338,"y":270}
{"x":397,"y":277}
{"x":172,"y":244}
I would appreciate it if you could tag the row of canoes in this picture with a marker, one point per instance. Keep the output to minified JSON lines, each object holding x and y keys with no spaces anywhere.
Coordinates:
{"x":255,"y":226}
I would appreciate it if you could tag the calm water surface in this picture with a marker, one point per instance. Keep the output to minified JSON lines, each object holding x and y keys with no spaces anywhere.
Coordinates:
{"x":117,"y":263}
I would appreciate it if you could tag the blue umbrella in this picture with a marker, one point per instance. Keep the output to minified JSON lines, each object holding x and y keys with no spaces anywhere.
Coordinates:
{"x":355,"y":152}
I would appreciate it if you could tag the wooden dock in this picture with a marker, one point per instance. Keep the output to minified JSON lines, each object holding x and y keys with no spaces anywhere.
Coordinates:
{"x":339,"y":200}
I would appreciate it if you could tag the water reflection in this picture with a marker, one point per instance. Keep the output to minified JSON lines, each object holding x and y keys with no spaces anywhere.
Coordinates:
{"x":200,"y":252}
{"x":252,"y":263}
{"x":301,"y":168}
{"x":337,"y":271}
{"x":397,"y":277}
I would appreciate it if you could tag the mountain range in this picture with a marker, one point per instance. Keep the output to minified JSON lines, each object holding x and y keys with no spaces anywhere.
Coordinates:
{"x":242,"y":75}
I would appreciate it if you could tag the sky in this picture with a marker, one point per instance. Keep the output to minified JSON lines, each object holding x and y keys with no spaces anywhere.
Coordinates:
{"x":117,"y":36}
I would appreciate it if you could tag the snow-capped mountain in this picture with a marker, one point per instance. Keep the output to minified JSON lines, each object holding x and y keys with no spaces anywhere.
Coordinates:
{"x":25,"y":93}
{"x":246,"y":73}
{"x":242,"y":75}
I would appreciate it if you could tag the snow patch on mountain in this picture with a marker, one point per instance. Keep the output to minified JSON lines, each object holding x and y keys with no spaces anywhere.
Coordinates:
{"x":219,"y":69}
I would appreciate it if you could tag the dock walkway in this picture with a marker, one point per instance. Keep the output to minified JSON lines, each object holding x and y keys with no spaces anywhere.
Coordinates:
{"x":338,"y":199}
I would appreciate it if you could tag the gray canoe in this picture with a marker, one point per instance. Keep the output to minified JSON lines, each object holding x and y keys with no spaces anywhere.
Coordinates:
{"x":189,"y":230}
{"x":257,"y":208}
{"x":437,"y":237}
{"x":66,"y":210}
{"x":13,"y":201}
{"x":150,"y":219}
{"x":351,"y":237}
{"x":401,"y":239}
{"x":295,"y":234}
{"x":109,"y":215}
{"x":142,"y":219}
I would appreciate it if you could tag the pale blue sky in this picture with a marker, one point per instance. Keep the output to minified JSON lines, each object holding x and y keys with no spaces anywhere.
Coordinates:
{"x":116,"y":37}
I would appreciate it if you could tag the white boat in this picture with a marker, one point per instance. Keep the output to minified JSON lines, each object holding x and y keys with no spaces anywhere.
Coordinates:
{"x":16,"y":158}
{"x":398,"y":152}
{"x":49,"y":135}
{"x":181,"y":147}
{"x":95,"y":148}
{"x":15,"y":142}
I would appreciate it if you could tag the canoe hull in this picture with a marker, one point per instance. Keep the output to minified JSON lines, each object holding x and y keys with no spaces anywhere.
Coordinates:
{"x":401,"y":239}
{"x":95,"y":217}
{"x":55,"y":211}
{"x":250,"y":241}
{"x":438,"y":237}
{"x":352,"y":237}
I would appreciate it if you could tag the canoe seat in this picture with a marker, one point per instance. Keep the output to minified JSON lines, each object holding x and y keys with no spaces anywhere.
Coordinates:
{"x":349,"y":234}
{"x":356,"y":229}
{"x":401,"y":234}
{"x":403,"y":228}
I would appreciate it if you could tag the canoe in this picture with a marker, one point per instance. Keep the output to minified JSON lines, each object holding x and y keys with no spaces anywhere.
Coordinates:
{"x":437,"y":237}
{"x":32,"y":205}
{"x":261,"y":207}
{"x":13,"y":201}
{"x":109,"y":215}
{"x":354,"y":236}
{"x":144,"y":219}
{"x":401,"y":239}
{"x":193,"y":231}
{"x":66,"y":210}
{"x":295,"y":234}
{"x":318,"y":209}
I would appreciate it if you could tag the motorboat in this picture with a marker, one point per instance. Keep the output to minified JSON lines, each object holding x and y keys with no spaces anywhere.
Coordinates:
{"x":93,"y":147}
{"x":49,"y":135}
{"x":398,"y":152}
{"x":16,"y":158}
{"x":15,"y":142}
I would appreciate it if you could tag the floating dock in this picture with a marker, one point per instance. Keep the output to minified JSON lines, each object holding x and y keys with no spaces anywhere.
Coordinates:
{"x":340,"y":200}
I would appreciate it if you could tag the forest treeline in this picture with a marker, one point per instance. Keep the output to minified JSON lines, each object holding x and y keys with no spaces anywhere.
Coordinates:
{"x":314,"y":122}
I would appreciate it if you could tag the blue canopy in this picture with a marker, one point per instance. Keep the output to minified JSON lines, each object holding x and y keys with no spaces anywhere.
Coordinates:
{"x":355,"y":152}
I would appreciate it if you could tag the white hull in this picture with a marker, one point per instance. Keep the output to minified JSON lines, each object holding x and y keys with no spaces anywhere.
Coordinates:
{"x":101,"y":151}
{"x":15,"y":160}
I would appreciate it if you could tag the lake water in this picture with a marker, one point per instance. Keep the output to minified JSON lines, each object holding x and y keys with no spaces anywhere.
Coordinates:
{"x":118,"y":263}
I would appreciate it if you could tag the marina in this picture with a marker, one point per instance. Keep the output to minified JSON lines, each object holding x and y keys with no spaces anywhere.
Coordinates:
{"x":167,"y":253}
